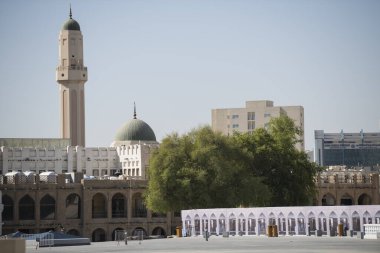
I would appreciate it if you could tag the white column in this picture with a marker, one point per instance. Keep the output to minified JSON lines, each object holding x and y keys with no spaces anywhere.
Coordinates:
{"x":192,"y":227}
{"x":350,"y":222}
{"x":287,"y":226}
{"x":184,"y":227}
{"x":361,"y":224}
{"x":328,"y":226}
{"x":317,"y":223}
{"x":201,"y":226}
{"x":246,"y":226}
{"x":257,"y":226}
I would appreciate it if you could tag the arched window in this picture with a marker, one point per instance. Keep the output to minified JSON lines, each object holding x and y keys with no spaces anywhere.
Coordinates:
{"x":47,"y":208}
{"x":346,"y":200}
{"x":364,"y":199}
{"x":99,"y":206}
{"x":118,"y":234}
{"x":7,"y":214}
{"x":328,"y":200}
{"x":159,"y":231}
{"x":73,"y":206}
{"x":73,"y":232}
{"x":139,"y":231}
{"x":139,"y":209}
{"x":26,"y":208}
{"x":99,"y":235}
{"x":119,"y":204}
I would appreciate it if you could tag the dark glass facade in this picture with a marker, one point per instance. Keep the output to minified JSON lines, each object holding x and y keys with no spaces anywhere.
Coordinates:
{"x":351,"y":157}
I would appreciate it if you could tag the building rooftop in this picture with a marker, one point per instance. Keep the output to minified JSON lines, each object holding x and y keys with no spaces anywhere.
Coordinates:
{"x":35,"y":142}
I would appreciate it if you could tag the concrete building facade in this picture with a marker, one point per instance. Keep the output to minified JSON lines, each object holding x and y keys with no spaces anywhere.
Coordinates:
{"x":342,"y":186}
{"x":92,"y":208}
{"x":128,"y":155}
{"x":256,"y":114}
{"x":349,"y":149}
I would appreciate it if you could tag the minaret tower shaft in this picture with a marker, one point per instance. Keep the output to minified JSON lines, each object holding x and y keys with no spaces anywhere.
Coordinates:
{"x":71,"y":74}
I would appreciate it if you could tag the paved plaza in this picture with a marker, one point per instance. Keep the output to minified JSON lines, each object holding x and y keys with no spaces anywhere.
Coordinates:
{"x":231,"y":244}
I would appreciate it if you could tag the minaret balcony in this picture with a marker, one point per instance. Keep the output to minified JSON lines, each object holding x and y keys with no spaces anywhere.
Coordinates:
{"x":72,"y":67}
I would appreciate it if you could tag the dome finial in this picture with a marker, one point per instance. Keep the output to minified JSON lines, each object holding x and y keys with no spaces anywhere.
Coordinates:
{"x":71,"y":15}
{"x":134,"y":110}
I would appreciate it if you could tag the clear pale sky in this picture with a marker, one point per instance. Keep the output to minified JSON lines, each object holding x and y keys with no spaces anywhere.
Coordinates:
{"x":180,"y":59}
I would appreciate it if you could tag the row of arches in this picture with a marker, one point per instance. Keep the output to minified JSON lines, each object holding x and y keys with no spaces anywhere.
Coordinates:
{"x":26,"y":207}
{"x":289,"y":222}
{"x":346,"y":200}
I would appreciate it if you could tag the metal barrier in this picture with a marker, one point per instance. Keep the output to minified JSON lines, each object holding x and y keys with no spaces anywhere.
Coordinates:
{"x":39,"y":240}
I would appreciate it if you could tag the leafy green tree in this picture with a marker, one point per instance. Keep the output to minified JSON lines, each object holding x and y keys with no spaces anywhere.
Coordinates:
{"x":201,"y":169}
{"x":205,"y":169}
{"x":273,"y":156}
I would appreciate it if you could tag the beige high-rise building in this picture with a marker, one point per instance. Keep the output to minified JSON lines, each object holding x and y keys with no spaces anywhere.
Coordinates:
{"x":256,"y":114}
{"x":71,"y":75}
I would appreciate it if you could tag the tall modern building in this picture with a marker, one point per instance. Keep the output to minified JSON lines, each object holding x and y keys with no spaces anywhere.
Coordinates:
{"x":71,"y":74}
{"x":349,"y":149}
{"x":256,"y":114}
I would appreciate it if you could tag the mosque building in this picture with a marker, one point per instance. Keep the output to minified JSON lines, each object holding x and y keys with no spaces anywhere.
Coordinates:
{"x":50,"y":183}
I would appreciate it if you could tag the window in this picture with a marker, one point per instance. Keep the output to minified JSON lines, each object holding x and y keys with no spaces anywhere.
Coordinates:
{"x":251,"y":125}
{"x":47,"y":208}
{"x":266,"y":115}
{"x":251,"y":115}
{"x":235,"y":126}
{"x":235,"y":116}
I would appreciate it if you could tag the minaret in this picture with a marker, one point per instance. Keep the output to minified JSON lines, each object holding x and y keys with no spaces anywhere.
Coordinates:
{"x":71,"y":75}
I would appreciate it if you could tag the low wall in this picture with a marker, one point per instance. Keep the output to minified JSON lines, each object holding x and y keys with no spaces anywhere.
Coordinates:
{"x":12,"y":245}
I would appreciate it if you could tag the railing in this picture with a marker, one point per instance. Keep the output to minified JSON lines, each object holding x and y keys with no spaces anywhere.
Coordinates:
{"x":39,"y":240}
{"x":345,"y":178}
{"x":61,"y":68}
{"x":371,"y":231}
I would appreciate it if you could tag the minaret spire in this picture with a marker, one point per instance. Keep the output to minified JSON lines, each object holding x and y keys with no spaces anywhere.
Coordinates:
{"x":134,"y":110}
{"x":71,"y":15}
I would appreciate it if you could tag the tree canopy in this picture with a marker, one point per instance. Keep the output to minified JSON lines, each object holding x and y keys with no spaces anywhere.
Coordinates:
{"x":205,"y":169}
{"x":273,"y":155}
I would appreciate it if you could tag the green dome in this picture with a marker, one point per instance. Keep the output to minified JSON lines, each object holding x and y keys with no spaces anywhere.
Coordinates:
{"x":135,"y":130}
{"x":71,"y":25}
